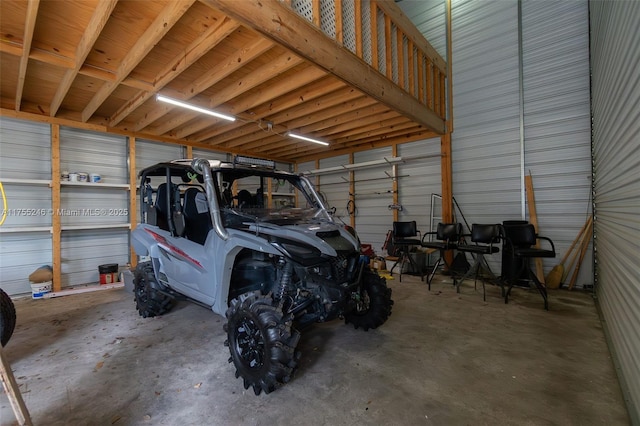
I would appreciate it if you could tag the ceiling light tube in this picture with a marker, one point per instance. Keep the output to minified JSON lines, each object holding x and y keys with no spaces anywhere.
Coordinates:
{"x":194,"y":108}
{"x":304,"y":138}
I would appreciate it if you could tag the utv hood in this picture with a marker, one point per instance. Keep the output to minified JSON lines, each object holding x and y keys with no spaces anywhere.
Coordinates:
{"x":327,"y":238}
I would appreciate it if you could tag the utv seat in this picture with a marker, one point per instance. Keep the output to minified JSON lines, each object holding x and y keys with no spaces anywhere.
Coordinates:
{"x":175,"y":211}
{"x":196,"y":216}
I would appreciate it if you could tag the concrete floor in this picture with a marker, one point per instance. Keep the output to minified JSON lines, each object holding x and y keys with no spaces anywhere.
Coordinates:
{"x":441,"y":359}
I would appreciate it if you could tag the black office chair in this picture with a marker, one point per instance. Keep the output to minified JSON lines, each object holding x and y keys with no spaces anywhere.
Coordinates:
{"x":448,"y":235}
{"x":521,"y":240}
{"x":403,"y":238}
{"x":485,"y":239}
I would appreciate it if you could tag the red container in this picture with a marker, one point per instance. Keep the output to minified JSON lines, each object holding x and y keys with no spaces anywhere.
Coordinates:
{"x":108,"y":273}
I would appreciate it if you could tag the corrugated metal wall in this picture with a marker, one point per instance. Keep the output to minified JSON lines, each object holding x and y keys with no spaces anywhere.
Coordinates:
{"x":489,"y":160}
{"x":93,"y":205}
{"x":615,"y":58}
{"x":557,"y":120}
{"x":24,"y":155}
{"x":373,"y":196}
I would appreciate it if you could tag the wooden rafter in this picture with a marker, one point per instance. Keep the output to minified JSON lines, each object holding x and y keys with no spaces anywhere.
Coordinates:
{"x":98,"y":21}
{"x":30,"y":23}
{"x":180,"y":63}
{"x":163,"y":23}
{"x":282,"y":25}
{"x":235,"y":62}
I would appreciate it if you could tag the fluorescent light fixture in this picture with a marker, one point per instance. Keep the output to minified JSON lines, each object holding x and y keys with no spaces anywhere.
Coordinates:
{"x":194,"y":108}
{"x":304,"y":138}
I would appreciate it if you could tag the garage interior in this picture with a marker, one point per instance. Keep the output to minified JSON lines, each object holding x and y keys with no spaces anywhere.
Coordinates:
{"x":426,"y":111}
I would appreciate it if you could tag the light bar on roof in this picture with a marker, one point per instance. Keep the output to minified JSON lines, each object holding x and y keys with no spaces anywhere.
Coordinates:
{"x":194,"y":108}
{"x":252,"y":161}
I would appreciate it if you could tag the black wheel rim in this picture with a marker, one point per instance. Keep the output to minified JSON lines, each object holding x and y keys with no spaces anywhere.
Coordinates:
{"x":364,"y":302}
{"x":250,"y":343}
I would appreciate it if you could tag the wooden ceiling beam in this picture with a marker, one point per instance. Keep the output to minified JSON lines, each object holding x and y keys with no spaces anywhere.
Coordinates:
{"x":271,"y":95}
{"x":393,"y":126}
{"x":283,"y":25}
{"x":255,"y":78}
{"x":347,"y":127}
{"x":321,"y":89}
{"x":98,"y":20}
{"x":187,"y":57}
{"x":235,"y":61}
{"x":304,"y":118}
{"x":30,"y":23}
{"x":156,"y":31}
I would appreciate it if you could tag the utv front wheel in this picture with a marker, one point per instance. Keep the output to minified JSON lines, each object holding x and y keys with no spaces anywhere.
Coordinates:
{"x":149,"y":301}
{"x":7,"y":317}
{"x":261,"y":342}
{"x":373,"y":303}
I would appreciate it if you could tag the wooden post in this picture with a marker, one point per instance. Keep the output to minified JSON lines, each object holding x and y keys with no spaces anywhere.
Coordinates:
{"x":394,"y":185}
{"x":13,"y":392}
{"x":447,"y":185}
{"x":56,"y":227}
{"x":133,"y":205}
{"x":352,"y":192}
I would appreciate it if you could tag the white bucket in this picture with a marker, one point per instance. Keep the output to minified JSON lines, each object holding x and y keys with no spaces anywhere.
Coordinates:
{"x":40,"y":289}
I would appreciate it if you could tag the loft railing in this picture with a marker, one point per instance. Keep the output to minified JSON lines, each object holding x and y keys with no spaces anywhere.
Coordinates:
{"x":379,"y":34}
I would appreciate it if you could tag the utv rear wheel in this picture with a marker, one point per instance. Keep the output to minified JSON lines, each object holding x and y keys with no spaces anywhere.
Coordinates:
{"x":261,"y":342}
{"x":373,"y":304}
{"x":7,"y":317}
{"x":149,"y":301}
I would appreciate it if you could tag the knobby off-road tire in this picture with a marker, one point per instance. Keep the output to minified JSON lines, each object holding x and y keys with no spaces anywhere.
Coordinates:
{"x":261,"y":341}
{"x":7,"y":317}
{"x":374,"y":306}
{"x":149,"y":301}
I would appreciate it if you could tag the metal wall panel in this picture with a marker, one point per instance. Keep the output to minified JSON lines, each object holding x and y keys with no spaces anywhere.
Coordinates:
{"x":615,"y":56}
{"x":488,"y":158}
{"x":83,"y":251}
{"x":335,"y":186}
{"x":418,"y":179}
{"x":149,"y":153}
{"x":557,"y":120}
{"x":93,"y":204}
{"x":209,"y":155}
{"x":20,"y":255}
{"x":373,"y":197}
{"x":25,"y":153}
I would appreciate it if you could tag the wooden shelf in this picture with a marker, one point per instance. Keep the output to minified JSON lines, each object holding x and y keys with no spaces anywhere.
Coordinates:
{"x":94,"y":226}
{"x":282,"y":194}
{"x":96,"y":185}
{"x":16,"y":229}
{"x":42,"y":182}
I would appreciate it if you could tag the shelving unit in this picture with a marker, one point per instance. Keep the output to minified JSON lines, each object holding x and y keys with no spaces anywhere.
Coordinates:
{"x":39,"y":182}
{"x":90,"y":185}
{"x":15,"y":229}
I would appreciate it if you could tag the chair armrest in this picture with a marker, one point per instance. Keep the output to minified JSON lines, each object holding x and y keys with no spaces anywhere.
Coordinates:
{"x":427,"y":233}
{"x":553,"y":248}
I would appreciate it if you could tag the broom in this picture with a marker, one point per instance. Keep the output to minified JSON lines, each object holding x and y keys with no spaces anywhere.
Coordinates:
{"x":554,"y":277}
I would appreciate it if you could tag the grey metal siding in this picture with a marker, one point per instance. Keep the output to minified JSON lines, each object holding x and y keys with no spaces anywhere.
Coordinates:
{"x":25,"y":154}
{"x":557,"y":120}
{"x":93,"y":204}
{"x":335,"y":186}
{"x":373,"y":197}
{"x":615,"y":59}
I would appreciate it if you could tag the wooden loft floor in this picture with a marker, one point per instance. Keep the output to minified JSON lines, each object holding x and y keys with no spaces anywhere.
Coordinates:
{"x":356,"y":74}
